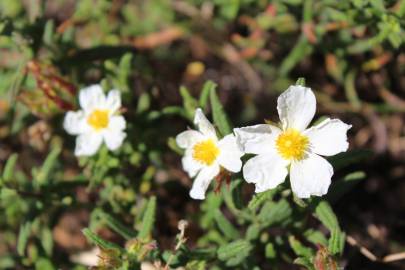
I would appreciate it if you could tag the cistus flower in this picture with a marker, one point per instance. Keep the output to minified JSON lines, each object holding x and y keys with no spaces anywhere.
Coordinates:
{"x":205,"y":155}
{"x":292,"y":148}
{"x":97,"y":121}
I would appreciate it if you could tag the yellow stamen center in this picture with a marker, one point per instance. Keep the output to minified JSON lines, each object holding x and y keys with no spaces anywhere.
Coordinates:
{"x":205,"y":152}
{"x":291,"y":144}
{"x":98,"y":119}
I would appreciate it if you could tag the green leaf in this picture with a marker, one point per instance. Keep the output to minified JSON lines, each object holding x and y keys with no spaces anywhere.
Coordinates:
{"x":42,"y":176}
{"x":47,"y":241}
{"x":274,"y":213}
{"x":299,"y":249}
{"x":270,"y":251}
{"x":252,"y":232}
{"x":115,"y":225}
{"x":190,"y":104}
{"x":205,"y":94}
{"x":218,"y":114}
{"x":148,"y":219}
{"x":336,"y":242}
{"x":225,"y":226}
{"x":8,"y":171}
{"x":98,"y":241}
{"x":259,"y":198}
{"x":44,"y":264}
{"x":324,"y":212}
{"x":239,"y":249}
{"x":143,"y":103}
{"x":304,"y":262}
{"x":301,"y":50}
{"x":315,"y":237}
{"x":24,"y":234}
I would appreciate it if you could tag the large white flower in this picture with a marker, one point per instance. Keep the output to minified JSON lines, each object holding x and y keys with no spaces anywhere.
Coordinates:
{"x":97,"y":121}
{"x":292,"y":147}
{"x":205,"y":154}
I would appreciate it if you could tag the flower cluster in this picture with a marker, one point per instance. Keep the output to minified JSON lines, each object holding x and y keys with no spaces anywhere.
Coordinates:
{"x":290,"y":148}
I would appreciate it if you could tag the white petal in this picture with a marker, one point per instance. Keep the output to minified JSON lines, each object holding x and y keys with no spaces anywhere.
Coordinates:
{"x":202,"y":181}
{"x":92,"y":97}
{"x":310,"y":176}
{"x":113,"y":138}
{"x":257,"y":139}
{"x":266,"y":171}
{"x":88,"y":144}
{"x":230,"y":154}
{"x":191,"y":166}
{"x":204,"y":125}
{"x":188,"y":138}
{"x":113,"y":102}
{"x":75,"y":123}
{"x":329,"y":137}
{"x":117,"y":122}
{"x":296,"y":107}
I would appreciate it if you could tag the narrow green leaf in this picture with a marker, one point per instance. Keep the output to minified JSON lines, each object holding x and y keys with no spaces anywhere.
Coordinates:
{"x":143,"y":103}
{"x":98,"y":241}
{"x":260,"y":198}
{"x":300,"y":50}
{"x":304,"y":262}
{"x":270,"y":251}
{"x":24,"y":234}
{"x":274,"y":213}
{"x":336,"y":242}
{"x":116,"y":226}
{"x":324,"y":212}
{"x":9,"y":167}
{"x":252,"y":232}
{"x":225,"y":226}
{"x":299,"y":249}
{"x":44,"y":264}
{"x":43,"y":174}
{"x":205,"y":93}
{"x":238,"y":248}
{"x":218,"y":114}
{"x":315,"y":237}
{"x":47,"y":241}
{"x":148,"y":219}
{"x":190,"y":104}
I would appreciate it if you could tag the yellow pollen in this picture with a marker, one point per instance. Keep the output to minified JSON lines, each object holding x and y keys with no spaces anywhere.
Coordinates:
{"x":291,"y":144}
{"x":98,"y":119}
{"x":205,"y":152}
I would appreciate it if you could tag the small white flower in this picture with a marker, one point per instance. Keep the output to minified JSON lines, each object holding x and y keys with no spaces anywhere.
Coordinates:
{"x":205,"y":154}
{"x":97,"y":121}
{"x":292,"y":147}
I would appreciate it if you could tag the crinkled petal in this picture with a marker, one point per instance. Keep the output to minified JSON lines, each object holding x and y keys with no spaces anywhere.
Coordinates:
{"x":75,"y":123}
{"x":188,"y":138}
{"x":117,"y":122}
{"x":296,"y":107}
{"x":258,"y":139}
{"x":266,"y":171}
{"x":230,"y":154}
{"x":310,"y":176}
{"x":113,"y":101}
{"x":329,"y":137}
{"x":190,"y":165}
{"x":92,"y":97}
{"x":87,"y":144}
{"x":204,"y":125}
{"x":202,"y":181}
{"x":114,"y":138}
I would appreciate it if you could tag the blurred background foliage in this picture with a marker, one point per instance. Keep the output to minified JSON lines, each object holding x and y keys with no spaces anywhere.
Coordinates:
{"x":159,"y":54}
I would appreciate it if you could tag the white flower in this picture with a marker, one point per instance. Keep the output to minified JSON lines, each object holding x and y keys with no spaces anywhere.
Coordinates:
{"x":205,"y":154}
{"x":292,"y":147}
{"x":97,"y":121}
